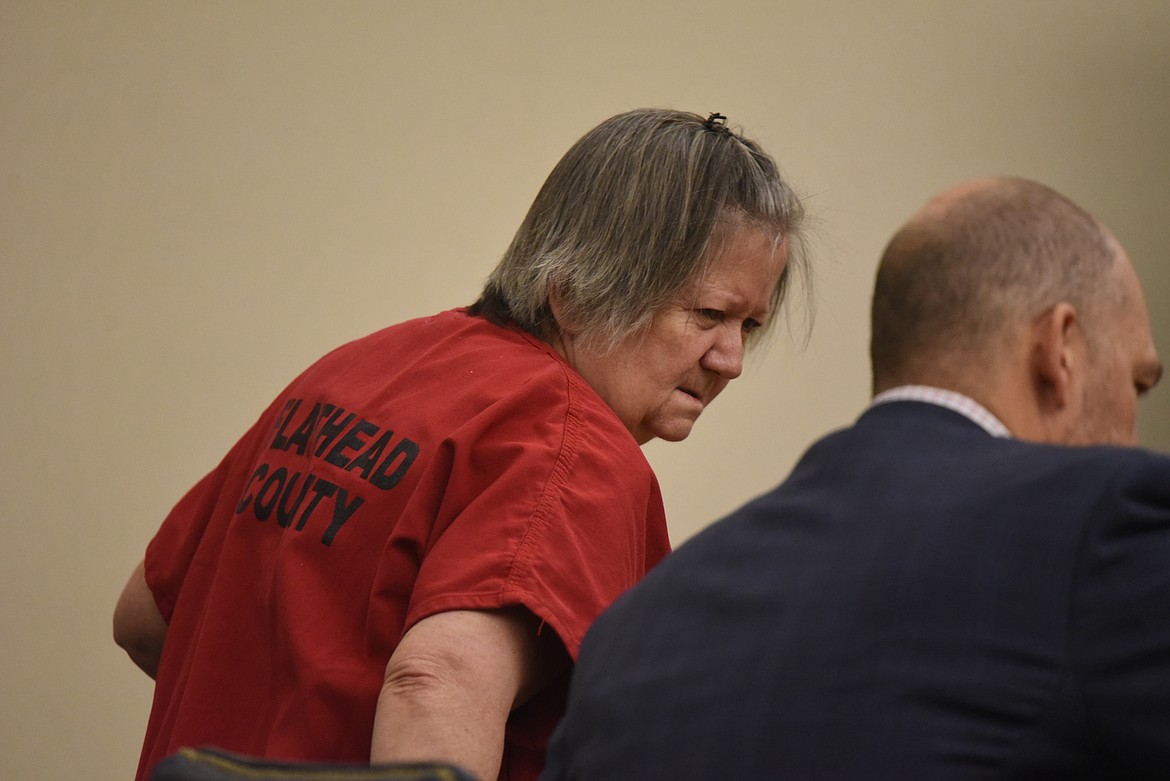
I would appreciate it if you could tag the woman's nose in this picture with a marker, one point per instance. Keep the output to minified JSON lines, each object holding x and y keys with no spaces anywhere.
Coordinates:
{"x":725,"y":356}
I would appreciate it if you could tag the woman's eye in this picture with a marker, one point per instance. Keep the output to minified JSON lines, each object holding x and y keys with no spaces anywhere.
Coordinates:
{"x":713,"y":315}
{"x":750,"y":325}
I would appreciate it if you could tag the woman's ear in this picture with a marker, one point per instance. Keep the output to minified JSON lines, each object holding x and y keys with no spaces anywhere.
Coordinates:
{"x":556,"y":305}
{"x":554,"y":302}
{"x":562,"y":331}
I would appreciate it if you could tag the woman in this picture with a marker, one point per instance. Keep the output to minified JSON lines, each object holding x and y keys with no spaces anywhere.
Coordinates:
{"x":399,"y":559}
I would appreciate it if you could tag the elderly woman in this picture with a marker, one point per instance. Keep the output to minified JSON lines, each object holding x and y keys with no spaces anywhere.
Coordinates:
{"x":399,"y":559}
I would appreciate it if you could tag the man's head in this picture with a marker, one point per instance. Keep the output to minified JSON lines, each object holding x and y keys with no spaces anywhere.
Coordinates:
{"x":1007,"y":291}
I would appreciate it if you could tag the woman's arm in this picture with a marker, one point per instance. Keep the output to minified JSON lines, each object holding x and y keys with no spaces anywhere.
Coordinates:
{"x":138,"y":626}
{"x":452,"y":682}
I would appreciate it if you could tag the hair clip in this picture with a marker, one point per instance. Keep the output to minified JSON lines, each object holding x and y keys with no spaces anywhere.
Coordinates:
{"x":717,"y":123}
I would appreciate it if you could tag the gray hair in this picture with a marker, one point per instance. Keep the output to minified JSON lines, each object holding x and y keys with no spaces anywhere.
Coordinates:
{"x":952,"y":282}
{"x":629,"y":217}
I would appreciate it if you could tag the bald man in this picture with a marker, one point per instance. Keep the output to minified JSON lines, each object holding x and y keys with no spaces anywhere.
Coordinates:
{"x":971,"y":582}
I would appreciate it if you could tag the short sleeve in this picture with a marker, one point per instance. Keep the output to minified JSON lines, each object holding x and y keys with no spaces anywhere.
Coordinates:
{"x":548,"y":503}
{"x":172,"y":551}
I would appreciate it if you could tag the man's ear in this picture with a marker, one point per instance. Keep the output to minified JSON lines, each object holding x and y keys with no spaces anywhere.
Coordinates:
{"x":1056,"y":356}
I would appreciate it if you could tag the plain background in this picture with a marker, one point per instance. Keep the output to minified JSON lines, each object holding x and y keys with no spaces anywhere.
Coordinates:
{"x":198,"y":199}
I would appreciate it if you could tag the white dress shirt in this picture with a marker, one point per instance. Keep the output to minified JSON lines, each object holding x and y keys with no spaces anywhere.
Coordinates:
{"x":957,"y":402}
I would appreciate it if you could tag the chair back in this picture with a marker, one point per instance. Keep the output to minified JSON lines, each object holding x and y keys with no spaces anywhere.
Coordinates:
{"x":212,"y":764}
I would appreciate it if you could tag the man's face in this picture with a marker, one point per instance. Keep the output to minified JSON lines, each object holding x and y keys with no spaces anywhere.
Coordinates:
{"x":1123,"y":365}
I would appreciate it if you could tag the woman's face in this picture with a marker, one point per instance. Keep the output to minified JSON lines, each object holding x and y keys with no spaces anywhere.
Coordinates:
{"x":660,"y":380}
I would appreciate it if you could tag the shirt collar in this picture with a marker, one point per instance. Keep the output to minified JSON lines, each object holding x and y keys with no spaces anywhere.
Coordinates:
{"x":957,"y":402}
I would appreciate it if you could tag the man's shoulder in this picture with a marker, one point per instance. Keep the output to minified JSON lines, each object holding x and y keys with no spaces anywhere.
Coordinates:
{"x":882,"y":470}
{"x":902,"y":429}
{"x":1096,"y":463}
{"x":1117,"y":465}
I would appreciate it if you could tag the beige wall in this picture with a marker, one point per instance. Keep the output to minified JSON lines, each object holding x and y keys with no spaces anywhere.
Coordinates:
{"x":197,"y":199}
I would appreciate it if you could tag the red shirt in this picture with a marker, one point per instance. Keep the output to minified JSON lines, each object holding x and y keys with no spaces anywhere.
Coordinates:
{"x":440,"y":464}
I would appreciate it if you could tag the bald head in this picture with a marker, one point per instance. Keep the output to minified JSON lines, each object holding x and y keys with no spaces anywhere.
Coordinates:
{"x":1006,"y":291}
{"x":970,"y":266}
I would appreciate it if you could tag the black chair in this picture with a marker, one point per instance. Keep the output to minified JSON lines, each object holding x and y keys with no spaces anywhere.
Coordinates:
{"x":212,"y":764}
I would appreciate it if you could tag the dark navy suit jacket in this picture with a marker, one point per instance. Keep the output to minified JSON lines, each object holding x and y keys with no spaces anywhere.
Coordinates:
{"x":919,"y":600}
